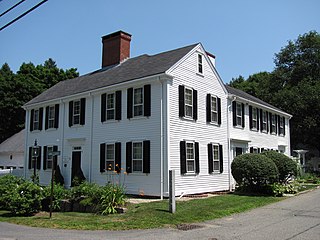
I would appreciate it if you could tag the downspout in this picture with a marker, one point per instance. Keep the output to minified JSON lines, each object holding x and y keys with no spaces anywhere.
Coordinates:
{"x":161,"y":140}
{"x":229,"y":141}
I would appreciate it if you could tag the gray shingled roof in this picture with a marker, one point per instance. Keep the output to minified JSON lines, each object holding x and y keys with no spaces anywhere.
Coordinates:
{"x":134,"y":68}
{"x":14,"y":143}
{"x":249,"y":97}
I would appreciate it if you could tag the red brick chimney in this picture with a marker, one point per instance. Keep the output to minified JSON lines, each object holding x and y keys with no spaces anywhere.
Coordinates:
{"x":115,"y":48}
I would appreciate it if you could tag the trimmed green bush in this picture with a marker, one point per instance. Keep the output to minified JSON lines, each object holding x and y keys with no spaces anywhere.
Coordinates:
{"x":7,"y":184}
{"x":253,"y":172}
{"x":287,"y":167}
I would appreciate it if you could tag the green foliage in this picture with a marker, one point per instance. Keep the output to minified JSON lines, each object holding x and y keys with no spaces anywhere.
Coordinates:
{"x":293,"y":86}
{"x":253,"y":172}
{"x":7,"y":184}
{"x":59,"y":193}
{"x":113,"y":196}
{"x":89,"y":194}
{"x":287,"y":167}
{"x":279,"y":189}
{"x":309,"y":178}
{"x":24,"y":199}
{"x":16,"y":89}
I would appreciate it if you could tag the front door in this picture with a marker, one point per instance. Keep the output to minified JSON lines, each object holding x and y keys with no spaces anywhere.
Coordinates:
{"x":76,"y":165}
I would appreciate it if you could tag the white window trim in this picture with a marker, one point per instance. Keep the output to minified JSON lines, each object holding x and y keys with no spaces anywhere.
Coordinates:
{"x":215,"y":160}
{"x":255,"y":120}
{"x":193,"y":159}
{"x":52,"y":118}
{"x":78,"y":114}
{"x":49,"y":157}
{"x":281,"y":127}
{"x":264,"y":121}
{"x":108,"y":160}
{"x":137,"y":159}
{"x":214,"y":111}
{"x":200,"y":64}
{"x":273,"y":124}
{"x":36,"y":121}
{"x":111,"y":109}
{"x":237,"y":115}
{"x":188,"y":105}
{"x":138,"y":104}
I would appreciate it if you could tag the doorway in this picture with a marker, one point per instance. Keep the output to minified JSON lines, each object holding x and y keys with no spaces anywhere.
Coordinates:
{"x":76,"y":165}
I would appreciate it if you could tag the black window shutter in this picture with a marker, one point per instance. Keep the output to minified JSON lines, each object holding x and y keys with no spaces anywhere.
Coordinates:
{"x":208,"y":107}
{"x":243,"y":115}
{"x":270,"y":122}
{"x":196,"y":147}
{"x":128,"y":157}
{"x":221,"y":158}
{"x":284,"y":125}
{"x":102,"y":157}
{"x":56,"y":116}
{"x":70,"y":113}
{"x":259,"y":150}
{"x":234,"y":113}
{"x":251,"y":149}
{"x":44,"y":158}
{"x":219,"y":110}
{"x":39,"y":159}
{"x":31,"y":120}
{"x":261,"y":120}
{"x":250,"y":117}
{"x":183,"y":158}
{"x":181,"y":101}
{"x":146,"y":156}
{"x":118,"y":105}
{"x":262,"y":149}
{"x":210,"y":158}
{"x":30,"y":158}
{"x":103,"y":107}
{"x":147,"y":100}
{"x":55,"y":158}
{"x":46,"y":123}
{"x":40,"y":118}
{"x":258,"y":119}
{"x":276,"y":122}
{"x":82,"y":111}
{"x":129,"y":103}
{"x":195,"y":104}
{"x":118,"y":157}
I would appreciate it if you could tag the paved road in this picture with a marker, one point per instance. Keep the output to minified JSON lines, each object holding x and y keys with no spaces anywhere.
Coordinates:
{"x":295,"y":218}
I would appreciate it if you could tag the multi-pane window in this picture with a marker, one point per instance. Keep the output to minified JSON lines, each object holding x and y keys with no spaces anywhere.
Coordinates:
{"x":200,"y":66}
{"x":190,"y":157}
{"x":188,"y":100}
{"x":254,"y":118}
{"x":216,"y":158}
{"x":110,"y":157}
{"x":281,"y":126}
{"x":36,"y":117}
{"x":137,"y":156}
{"x":214,"y":109}
{"x":264,"y":121}
{"x":273,"y":123}
{"x":49,"y":157}
{"x":138,"y":102}
{"x":76,"y":112}
{"x":51,"y":116}
{"x":239,"y":114}
{"x":110,"y":106}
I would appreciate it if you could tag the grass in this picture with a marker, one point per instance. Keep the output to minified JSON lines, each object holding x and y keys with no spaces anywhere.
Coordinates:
{"x":147,"y":215}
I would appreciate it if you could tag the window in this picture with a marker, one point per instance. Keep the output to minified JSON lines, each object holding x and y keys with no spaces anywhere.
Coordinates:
{"x":264,"y":126}
{"x":214,"y":109}
{"x":200,"y":66}
{"x":36,"y":119}
{"x":110,"y":157}
{"x":188,"y":102}
{"x":254,"y":118}
{"x":110,"y":106}
{"x":189,"y":157}
{"x":273,"y":124}
{"x":138,"y":157}
{"x":34,"y":161}
{"x":76,"y":112}
{"x":51,"y":115}
{"x":49,"y":157}
{"x":239,"y":114}
{"x":281,"y":125}
{"x":254,"y":150}
{"x":215,"y":158}
{"x":138,"y":102}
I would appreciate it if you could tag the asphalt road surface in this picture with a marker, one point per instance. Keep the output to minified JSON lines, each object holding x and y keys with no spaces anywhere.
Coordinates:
{"x":295,"y":218}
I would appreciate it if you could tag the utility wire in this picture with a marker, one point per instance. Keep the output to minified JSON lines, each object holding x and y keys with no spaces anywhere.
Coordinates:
{"x":11,"y":8}
{"x":23,"y":14}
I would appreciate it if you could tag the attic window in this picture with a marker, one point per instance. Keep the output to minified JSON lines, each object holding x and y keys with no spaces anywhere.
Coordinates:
{"x":200,"y":67}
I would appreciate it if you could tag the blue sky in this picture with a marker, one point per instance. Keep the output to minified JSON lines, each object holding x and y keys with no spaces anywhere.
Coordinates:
{"x":244,"y":35}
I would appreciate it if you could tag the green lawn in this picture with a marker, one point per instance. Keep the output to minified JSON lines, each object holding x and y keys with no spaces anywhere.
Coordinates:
{"x":147,"y":215}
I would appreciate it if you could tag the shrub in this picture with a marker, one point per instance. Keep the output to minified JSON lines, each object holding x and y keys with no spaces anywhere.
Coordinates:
{"x":59,"y":193}
{"x":24,"y":198}
{"x":88,"y":193}
{"x":287,"y":167}
{"x":7,"y":184}
{"x":113,"y":196}
{"x":253,"y":172}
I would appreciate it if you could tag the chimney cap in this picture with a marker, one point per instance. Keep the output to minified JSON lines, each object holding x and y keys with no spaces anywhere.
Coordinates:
{"x":118,"y":33}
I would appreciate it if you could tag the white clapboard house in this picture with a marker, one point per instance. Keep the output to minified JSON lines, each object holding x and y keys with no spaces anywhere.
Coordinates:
{"x":148,"y":115}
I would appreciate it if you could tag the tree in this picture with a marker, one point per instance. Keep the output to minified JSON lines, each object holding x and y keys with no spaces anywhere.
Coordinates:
{"x":294,"y":87}
{"x":18,"y":88}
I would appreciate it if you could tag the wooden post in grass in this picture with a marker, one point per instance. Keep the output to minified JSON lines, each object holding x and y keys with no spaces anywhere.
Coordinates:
{"x":172,"y":198}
